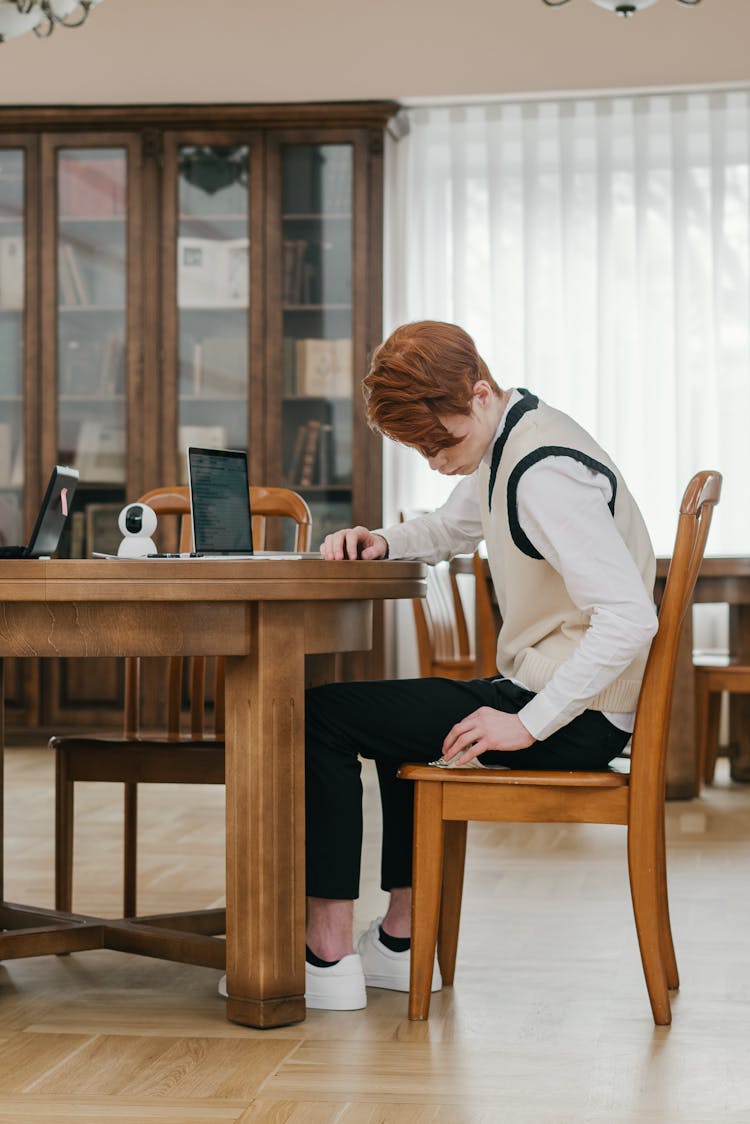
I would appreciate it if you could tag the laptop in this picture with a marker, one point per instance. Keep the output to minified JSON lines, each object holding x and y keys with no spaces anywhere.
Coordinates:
{"x":55,"y":509}
{"x":220,"y":507}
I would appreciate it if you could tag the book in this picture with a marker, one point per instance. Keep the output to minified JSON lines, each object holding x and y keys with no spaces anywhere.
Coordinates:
{"x":325,"y":454}
{"x":100,"y":452}
{"x":212,"y":273}
{"x":12,"y":271}
{"x":72,"y":282}
{"x":67,"y":295}
{"x":224,"y":365}
{"x":294,"y":251}
{"x":289,"y":366}
{"x":309,"y":454}
{"x":295,"y":460}
{"x":324,"y":367}
{"x":112,"y":365}
{"x":79,"y":284}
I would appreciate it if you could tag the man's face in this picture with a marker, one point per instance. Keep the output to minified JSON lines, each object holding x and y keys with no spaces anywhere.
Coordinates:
{"x":474,"y":431}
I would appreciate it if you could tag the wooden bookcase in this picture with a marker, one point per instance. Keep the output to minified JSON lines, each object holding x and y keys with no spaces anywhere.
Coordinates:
{"x":174,"y":275}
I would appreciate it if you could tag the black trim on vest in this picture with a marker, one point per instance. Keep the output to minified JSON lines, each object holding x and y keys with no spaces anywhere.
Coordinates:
{"x":523,"y":543}
{"x":528,"y":402}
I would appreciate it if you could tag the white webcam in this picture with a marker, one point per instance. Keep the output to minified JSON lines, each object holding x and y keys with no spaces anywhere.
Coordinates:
{"x":137,"y":521}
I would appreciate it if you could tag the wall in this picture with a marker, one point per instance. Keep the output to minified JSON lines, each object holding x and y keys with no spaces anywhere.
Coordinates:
{"x":255,"y":50}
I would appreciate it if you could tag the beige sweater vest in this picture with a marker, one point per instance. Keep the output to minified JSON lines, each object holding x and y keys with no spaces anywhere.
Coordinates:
{"x":541,"y":625}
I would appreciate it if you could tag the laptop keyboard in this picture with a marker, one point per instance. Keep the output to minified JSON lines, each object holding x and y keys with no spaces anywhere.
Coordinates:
{"x":12,"y":551}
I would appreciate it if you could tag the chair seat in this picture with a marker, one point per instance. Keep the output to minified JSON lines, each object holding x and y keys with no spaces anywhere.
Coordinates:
{"x":116,"y":744}
{"x":141,"y":760}
{"x":604,"y":779}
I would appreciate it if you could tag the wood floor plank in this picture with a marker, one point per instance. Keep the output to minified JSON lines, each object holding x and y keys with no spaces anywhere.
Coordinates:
{"x":174,"y":1068}
{"x":104,"y":1110}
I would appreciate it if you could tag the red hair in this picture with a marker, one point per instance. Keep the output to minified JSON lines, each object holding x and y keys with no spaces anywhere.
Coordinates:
{"x":422,"y":371}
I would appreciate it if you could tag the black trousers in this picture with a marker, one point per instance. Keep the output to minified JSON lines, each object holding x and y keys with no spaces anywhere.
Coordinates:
{"x":395,"y":721}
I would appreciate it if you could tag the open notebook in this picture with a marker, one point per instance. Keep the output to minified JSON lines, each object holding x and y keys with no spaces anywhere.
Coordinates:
{"x":52,"y":516}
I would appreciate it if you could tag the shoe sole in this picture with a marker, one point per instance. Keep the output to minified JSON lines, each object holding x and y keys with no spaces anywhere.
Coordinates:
{"x":389,"y":984}
{"x":333,"y":1003}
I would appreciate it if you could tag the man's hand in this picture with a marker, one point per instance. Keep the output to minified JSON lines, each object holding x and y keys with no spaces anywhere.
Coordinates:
{"x":485,"y":729}
{"x":354,"y":542}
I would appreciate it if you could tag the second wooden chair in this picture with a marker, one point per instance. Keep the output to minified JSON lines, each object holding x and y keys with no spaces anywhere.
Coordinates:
{"x":444,"y":646}
{"x":168,"y":756}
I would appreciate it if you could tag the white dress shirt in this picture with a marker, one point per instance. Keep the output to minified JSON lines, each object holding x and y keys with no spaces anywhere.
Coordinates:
{"x":562,"y":508}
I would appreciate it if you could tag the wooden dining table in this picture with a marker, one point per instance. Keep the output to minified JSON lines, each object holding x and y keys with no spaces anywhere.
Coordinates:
{"x":279,"y":624}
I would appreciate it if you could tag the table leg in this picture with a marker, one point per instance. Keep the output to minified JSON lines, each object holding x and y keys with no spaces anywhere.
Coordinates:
{"x":265,"y":929}
{"x":739,"y":705}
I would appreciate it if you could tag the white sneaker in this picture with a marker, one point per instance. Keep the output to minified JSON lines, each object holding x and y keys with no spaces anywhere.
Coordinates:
{"x":385,"y":968}
{"x":338,"y":988}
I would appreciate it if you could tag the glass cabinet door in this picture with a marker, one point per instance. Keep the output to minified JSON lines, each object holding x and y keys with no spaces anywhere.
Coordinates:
{"x":12,"y":285}
{"x":91,"y":260}
{"x":316,"y":281}
{"x":213,"y":297}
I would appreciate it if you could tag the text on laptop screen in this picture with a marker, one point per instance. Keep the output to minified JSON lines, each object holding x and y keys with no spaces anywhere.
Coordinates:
{"x":220,"y":504}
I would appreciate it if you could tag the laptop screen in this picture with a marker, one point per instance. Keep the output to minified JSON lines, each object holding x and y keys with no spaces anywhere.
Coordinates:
{"x":53,"y":512}
{"x":219,"y":501}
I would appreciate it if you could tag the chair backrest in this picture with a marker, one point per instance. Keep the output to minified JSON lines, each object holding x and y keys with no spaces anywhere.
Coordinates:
{"x":265,"y":504}
{"x":649,"y":744}
{"x":487,"y":617}
{"x":440,"y":622}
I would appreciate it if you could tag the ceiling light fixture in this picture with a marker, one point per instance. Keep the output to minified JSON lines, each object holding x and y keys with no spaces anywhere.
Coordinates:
{"x":621,"y":7}
{"x":41,"y":16}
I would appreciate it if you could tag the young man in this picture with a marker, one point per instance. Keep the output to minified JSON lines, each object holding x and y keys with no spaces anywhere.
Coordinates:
{"x":573,"y":570}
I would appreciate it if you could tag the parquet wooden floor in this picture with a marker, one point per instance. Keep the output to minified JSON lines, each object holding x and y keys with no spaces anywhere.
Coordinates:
{"x":548,"y":1022}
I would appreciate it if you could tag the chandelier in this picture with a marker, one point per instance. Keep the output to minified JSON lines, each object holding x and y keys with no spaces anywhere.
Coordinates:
{"x":621,"y":7}
{"x":41,"y":16}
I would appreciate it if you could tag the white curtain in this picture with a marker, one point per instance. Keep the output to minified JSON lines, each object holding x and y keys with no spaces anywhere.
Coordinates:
{"x":597,"y":249}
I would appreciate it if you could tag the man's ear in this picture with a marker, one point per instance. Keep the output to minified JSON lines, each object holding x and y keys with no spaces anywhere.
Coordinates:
{"x":482,"y":392}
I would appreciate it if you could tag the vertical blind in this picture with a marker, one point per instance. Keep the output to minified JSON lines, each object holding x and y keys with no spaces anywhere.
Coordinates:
{"x":597,"y":249}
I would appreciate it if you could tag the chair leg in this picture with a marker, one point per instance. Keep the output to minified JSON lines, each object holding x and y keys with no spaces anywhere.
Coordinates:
{"x":130,"y":851}
{"x":454,"y":855}
{"x":643,"y":867}
{"x":427,"y":883}
{"x":669,"y":960}
{"x":713,"y":720}
{"x":64,"y":822}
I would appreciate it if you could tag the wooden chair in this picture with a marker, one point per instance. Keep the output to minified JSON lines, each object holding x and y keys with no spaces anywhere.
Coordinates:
{"x":440,"y":623}
{"x":169,"y":756}
{"x":443,"y":644}
{"x":711,"y":681}
{"x":444,"y":799}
